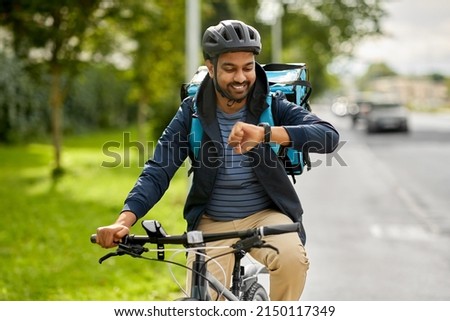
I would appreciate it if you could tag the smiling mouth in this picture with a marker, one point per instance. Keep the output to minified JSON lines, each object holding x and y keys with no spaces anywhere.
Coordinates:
{"x":239,"y":87}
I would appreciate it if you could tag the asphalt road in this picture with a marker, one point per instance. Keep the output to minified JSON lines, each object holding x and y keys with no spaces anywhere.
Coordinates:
{"x":377,"y":213}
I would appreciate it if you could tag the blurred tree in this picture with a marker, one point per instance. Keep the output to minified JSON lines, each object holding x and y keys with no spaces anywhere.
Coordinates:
{"x":98,"y":99}
{"x":21,"y":98}
{"x":376,"y":70}
{"x":436,"y":77}
{"x":131,"y":34}
{"x":214,"y":11}
{"x":379,"y":70}
{"x":154,"y":31}
{"x":315,"y":31}
{"x":52,"y":34}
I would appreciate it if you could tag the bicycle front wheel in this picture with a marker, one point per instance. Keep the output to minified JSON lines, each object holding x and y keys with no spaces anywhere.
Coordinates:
{"x":255,"y":292}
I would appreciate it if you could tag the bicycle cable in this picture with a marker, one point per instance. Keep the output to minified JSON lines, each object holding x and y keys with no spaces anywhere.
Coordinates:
{"x":177,"y":251}
{"x":220,"y":293}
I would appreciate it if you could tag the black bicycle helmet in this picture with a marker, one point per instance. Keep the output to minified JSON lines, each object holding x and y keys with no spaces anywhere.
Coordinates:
{"x":228,"y":36}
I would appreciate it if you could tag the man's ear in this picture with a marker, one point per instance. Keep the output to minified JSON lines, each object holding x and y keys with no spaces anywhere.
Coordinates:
{"x":210,"y":67}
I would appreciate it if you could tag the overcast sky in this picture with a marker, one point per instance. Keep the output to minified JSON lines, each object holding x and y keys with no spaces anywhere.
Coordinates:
{"x":417,"y":38}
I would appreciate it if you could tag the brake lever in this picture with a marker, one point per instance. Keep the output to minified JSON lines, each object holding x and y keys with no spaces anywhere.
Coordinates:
{"x":132,"y":250}
{"x":270,"y":247}
{"x":107,"y":256}
{"x":252,"y":242}
{"x":248,"y":243}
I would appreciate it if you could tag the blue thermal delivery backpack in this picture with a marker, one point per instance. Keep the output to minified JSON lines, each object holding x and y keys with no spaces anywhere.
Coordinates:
{"x":290,"y":81}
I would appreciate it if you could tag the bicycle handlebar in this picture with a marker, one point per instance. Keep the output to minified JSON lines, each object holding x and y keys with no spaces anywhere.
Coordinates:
{"x":280,"y":229}
{"x":195,"y":237}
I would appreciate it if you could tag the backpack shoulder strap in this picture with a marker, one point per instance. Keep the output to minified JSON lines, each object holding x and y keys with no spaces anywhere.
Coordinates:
{"x":196,"y":132}
{"x":266,"y":116}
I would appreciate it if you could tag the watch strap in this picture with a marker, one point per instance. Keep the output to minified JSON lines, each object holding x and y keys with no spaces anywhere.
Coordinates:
{"x":267,"y":132}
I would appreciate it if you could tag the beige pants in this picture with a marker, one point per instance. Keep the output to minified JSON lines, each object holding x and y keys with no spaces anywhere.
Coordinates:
{"x":287,"y":269}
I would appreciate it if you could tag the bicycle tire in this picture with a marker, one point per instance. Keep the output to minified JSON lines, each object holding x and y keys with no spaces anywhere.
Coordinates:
{"x":255,"y":292}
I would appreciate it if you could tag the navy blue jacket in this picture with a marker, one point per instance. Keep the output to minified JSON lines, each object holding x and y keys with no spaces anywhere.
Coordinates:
{"x":304,"y":128}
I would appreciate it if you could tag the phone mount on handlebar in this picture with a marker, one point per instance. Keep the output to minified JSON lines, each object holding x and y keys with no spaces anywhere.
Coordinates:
{"x":154,"y":228}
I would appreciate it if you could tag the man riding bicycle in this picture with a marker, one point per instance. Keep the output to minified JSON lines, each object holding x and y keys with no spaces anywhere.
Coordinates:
{"x":238,"y":181}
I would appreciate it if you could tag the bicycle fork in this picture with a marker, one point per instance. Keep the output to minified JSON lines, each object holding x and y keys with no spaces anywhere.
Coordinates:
{"x":236,"y":284}
{"x":199,"y":285}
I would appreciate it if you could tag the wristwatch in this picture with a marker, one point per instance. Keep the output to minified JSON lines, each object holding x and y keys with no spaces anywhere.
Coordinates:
{"x":267,"y":132}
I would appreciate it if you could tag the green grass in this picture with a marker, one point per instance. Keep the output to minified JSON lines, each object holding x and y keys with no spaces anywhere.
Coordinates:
{"x":45,"y":251}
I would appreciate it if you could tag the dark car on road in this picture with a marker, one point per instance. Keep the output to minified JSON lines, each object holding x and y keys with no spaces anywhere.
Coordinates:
{"x":383,"y":116}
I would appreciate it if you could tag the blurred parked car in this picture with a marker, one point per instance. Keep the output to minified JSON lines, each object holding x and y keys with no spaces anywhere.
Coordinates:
{"x":385,"y":116}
